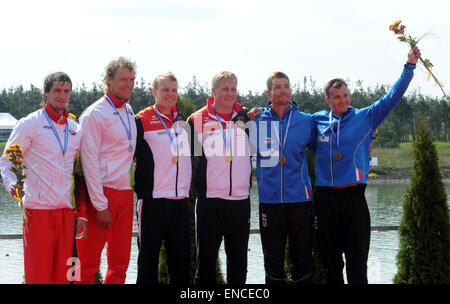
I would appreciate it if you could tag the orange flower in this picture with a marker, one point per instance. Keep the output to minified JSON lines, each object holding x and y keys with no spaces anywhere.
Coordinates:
{"x":394,"y":26}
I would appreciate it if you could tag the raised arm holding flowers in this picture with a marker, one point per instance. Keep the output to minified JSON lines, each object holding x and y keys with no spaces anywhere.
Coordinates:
{"x":399,"y":30}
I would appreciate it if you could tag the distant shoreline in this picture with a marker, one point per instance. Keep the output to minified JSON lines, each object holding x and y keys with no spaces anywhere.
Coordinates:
{"x":400,"y":177}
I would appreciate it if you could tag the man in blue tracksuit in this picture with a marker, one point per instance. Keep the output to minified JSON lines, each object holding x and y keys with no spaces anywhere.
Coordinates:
{"x":280,"y":135}
{"x":342,"y":156}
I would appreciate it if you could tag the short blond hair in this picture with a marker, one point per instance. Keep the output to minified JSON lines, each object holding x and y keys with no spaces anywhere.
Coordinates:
{"x":221,"y":76}
{"x":115,"y":65}
{"x":168,"y":75}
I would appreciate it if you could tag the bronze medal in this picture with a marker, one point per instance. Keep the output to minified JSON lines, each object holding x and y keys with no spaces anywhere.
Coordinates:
{"x":228,"y":158}
{"x":338,"y":155}
{"x":282,"y":160}
{"x":174,"y":159}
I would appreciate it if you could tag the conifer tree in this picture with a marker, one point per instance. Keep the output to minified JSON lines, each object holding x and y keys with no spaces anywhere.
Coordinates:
{"x":424,"y":254}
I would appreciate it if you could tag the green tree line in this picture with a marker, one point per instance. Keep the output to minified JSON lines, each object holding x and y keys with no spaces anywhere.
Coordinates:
{"x":400,"y":126}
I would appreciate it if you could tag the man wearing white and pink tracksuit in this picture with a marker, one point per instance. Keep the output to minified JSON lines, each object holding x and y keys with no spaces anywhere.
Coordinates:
{"x":50,"y":143}
{"x":107,"y":149}
{"x":221,"y":182}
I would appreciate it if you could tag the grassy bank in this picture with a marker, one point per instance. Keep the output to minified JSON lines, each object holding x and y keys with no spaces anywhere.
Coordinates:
{"x":397,"y":163}
{"x":402,"y":158}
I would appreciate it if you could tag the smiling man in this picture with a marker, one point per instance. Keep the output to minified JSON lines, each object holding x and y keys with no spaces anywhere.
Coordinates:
{"x":163,"y":178}
{"x":281,"y":137}
{"x":222,"y":181}
{"x":107,"y":149}
{"x":50,"y":142}
{"x":342,"y":166}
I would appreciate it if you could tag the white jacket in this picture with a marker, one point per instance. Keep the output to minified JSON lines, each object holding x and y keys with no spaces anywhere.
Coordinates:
{"x":105,"y":157}
{"x":48,"y":184}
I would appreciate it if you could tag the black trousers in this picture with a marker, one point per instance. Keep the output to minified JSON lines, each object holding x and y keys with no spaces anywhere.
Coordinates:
{"x":168,"y":220}
{"x":343,"y":227}
{"x":292,"y":221}
{"x":216,"y":219}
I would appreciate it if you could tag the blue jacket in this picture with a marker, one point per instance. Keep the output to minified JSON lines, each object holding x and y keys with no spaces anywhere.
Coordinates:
{"x":288,"y":182}
{"x":355,"y":135}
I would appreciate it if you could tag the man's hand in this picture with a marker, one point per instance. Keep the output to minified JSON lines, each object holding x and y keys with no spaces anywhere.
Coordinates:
{"x":413,"y":55}
{"x":253,"y":113}
{"x":104,"y":219}
{"x":13,"y":190}
{"x":81,"y":229}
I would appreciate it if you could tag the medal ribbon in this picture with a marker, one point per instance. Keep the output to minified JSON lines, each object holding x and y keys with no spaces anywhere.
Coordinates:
{"x":128,"y":130}
{"x":224,"y":135}
{"x":165,"y":126}
{"x":66,"y":133}
{"x":330,"y":121}
{"x":285,"y":133}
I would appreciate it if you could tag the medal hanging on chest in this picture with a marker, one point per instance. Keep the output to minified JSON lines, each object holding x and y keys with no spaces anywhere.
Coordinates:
{"x":282,"y":159}
{"x":63,"y":163}
{"x":228,"y":156}
{"x":127,"y":129}
{"x":337,"y":155}
{"x":175,"y":158}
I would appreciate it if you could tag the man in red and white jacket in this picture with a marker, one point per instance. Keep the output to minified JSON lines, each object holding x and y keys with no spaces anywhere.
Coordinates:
{"x":107,"y":149}
{"x":50,"y":143}
{"x":222,"y":179}
{"x":163,"y":178}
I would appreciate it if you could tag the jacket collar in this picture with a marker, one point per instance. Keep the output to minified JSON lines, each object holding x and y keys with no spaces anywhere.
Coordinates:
{"x":292,"y":106}
{"x":349,"y":110}
{"x":173,"y":113}
{"x":210,"y":102}
{"x":117,"y":102}
{"x":55,"y":116}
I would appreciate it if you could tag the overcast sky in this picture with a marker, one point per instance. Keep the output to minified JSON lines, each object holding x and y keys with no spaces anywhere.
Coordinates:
{"x":322,"y":39}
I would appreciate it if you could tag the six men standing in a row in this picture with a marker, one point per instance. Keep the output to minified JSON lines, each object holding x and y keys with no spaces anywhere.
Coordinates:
{"x":156,"y":152}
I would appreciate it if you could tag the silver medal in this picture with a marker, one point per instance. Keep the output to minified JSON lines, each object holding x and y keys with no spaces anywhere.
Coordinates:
{"x":130,"y":148}
{"x":63,"y":163}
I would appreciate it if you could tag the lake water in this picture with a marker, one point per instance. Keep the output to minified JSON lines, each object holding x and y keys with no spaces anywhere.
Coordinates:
{"x":385,"y":205}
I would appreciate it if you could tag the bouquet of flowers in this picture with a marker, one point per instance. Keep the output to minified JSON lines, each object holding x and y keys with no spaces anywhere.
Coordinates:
{"x":399,"y":30}
{"x":15,"y":156}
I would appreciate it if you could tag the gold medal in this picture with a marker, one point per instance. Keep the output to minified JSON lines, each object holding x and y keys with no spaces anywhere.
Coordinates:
{"x":174,"y":159}
{"x":228,"y":158}
{"x":282,"y":159}
{"x":338,"y":155}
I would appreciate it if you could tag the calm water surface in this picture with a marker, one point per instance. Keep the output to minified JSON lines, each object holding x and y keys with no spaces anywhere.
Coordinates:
{"x":384,"y":200}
